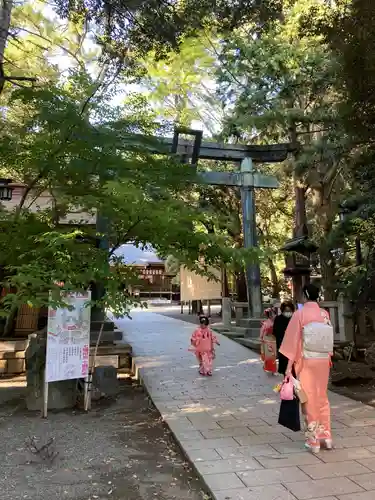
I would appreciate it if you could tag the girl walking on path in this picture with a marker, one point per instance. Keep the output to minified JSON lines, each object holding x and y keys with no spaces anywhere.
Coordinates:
{"x":308,"y":345}
{"x":203,"y":344}
{"x":280,"y":325}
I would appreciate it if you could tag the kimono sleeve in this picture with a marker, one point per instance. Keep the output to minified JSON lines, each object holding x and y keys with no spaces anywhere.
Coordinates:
{"x":195,"y":338}
{"x":263,"y":330}
{"x":214,"y":338}
{"x":291,"y":344}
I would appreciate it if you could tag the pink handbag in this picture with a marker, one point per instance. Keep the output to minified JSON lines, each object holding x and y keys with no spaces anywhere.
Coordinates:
{"x":287,"y":390}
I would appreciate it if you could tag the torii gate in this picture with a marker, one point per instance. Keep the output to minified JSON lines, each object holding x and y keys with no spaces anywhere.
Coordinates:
{"x":246,"y":179}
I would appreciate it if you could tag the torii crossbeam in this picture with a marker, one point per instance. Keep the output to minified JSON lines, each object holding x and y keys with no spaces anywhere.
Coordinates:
{"x":247,"y":180}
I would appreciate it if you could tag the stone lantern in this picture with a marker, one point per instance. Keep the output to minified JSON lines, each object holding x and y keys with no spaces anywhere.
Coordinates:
{"x":298,"y":263}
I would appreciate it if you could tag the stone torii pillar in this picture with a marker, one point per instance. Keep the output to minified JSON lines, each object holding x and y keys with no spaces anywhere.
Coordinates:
{"x":247,"y":179}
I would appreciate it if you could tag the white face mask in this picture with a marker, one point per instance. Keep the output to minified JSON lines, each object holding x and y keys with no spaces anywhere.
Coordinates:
{"x":288,"y":314}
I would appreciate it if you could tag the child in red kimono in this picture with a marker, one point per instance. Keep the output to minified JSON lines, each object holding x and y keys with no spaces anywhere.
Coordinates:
{"x":203,"y":344}
{"x":268,"y":342}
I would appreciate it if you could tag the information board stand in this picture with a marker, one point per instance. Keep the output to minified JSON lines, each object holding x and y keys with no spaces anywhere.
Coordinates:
{"x":68,"y":343}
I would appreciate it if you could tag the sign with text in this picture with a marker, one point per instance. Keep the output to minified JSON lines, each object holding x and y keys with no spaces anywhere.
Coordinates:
{"x":68,"y":339}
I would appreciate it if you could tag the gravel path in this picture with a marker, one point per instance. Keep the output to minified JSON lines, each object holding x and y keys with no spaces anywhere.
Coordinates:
{"x":121,"y":450}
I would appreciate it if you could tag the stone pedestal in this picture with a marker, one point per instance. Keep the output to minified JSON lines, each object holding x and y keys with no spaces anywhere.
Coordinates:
{"x":226,"y":311}
{"x":252,"y":326}
{"x":105,"y":382}
{"x":61,"y":394}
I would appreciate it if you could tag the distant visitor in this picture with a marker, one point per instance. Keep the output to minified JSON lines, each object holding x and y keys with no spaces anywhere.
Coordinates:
{"x":280,"y":325}
{"x":268,"y":342}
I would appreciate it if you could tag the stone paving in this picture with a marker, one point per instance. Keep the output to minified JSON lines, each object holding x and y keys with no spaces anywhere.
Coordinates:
{"x":227,"y":424}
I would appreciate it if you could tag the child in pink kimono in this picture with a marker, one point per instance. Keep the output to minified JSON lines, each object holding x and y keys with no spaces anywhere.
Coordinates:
{"x":313,"y":373}
{"x":203,"y":344}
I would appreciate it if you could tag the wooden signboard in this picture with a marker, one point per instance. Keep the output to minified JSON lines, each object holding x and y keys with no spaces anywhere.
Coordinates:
{"x":196,"y":287}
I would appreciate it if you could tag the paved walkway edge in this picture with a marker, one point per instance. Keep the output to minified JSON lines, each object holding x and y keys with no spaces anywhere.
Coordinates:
{"x":137,"y":374}
{"x":227,"y":427}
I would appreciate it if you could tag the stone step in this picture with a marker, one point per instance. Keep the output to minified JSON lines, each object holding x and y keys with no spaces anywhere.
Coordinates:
{"x":12,"y":354}
{"x":253,"y":344}
{"x":233,"y":331}
{"x":252,"y":333}
{"x":106,"y":337}
{"x":239,"y":331}
{"x":109,"y":350}
{"x":108,"y":326}
{"x":13,"y":345}
{"x":12,"y":366}
{"x":250,"y":322}
{"x":233,"y":334}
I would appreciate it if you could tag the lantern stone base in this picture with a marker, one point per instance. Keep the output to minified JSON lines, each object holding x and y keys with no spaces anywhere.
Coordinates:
{"x":61,"y":395}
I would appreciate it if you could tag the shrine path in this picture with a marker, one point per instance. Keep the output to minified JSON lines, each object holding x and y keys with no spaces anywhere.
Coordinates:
{"x":227,"y":424}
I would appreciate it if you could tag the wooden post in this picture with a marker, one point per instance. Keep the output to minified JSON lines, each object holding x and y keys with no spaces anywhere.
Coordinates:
{"x":45,"y":395}
{"x":345,"y":324}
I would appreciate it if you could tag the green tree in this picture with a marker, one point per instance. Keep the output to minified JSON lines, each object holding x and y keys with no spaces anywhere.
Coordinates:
{"x":92,"y":166}
{"x":136,"y":26}
{"x":349,"y":32}
{"x":282,"y":88}
{"x":178,"y":87}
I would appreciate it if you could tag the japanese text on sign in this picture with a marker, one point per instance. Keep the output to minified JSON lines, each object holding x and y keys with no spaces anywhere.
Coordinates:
{"x":68,"y":339}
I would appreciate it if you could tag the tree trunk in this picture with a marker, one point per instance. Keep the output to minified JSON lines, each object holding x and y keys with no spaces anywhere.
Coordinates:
{"x":274,"y":279}
{"x":241,"y":287}
{"x":323,"y":213}
{"x":300,"y":218}
{"x":5,"y":16}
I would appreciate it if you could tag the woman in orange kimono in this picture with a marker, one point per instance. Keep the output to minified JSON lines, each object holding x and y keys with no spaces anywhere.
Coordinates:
{"x":268,"y":342}
{"x":313,"y":373}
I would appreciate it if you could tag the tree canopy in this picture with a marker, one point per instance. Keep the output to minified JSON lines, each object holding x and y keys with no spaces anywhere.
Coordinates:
{"x":103,"y":80}
{"x":64,"y":140}
{"x":161,"y":25}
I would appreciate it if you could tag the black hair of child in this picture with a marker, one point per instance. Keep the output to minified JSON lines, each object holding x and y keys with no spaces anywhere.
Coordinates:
{"x":203,"y":320}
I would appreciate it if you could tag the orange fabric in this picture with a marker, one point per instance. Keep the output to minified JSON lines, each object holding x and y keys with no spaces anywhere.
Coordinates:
{"x":314,"y":380}
{"x":291,"y":346}
{"x":312,"y":373}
